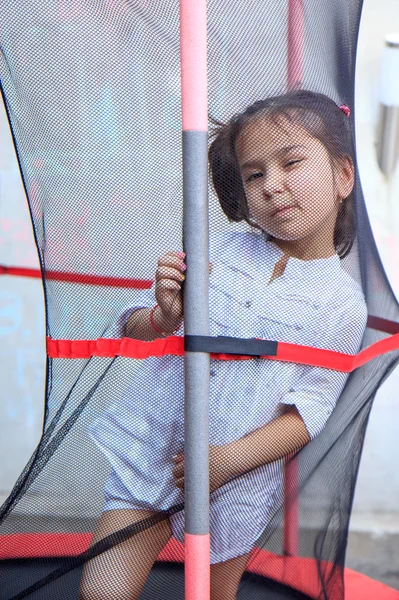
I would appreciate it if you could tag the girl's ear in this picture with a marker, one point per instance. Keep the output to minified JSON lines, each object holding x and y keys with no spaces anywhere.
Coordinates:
{"x":345,"y":178}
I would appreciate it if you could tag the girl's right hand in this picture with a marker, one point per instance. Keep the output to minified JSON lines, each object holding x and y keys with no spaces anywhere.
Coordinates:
{"x":169,"y":277}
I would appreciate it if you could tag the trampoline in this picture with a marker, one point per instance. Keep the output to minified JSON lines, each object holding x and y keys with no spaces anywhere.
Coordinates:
{"x":92,"y":94}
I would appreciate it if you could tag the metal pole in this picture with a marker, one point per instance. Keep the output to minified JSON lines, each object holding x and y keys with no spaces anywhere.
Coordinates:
{"x":193,"y":39}
{"x":294,"y":81}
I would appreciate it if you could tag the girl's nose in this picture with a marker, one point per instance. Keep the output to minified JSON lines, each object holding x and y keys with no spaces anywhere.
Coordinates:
{"x":273,"y":183}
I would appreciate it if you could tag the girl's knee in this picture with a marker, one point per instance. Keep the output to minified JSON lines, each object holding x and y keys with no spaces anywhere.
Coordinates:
{"x":224,"y":593}
{"x":223,"y":588}
{"x":226,"y":577}
{"x":105,"y":586}
{"x":120,"y":572}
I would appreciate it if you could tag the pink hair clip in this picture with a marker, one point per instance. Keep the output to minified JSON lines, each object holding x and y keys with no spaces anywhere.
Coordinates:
{"x":345,"y":109}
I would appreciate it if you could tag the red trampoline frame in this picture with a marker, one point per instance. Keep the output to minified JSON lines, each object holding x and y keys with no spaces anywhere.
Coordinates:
{"x":301,"y":574}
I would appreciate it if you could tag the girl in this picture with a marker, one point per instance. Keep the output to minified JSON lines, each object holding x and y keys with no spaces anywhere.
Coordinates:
{"x":285,"y":167}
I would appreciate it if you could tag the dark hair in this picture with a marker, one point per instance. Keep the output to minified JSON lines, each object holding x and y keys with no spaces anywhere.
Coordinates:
{"x":319,"y":116}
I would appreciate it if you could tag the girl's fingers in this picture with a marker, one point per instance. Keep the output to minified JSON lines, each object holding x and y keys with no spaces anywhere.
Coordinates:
{"x":172,"y":266}
{"x":175,"y":261}
{"x":167,"y":285}
{"x":178,"y":458}
{"x":174,"y":253}
{"x":165,"y":272}
{"x":172,"y":259}
{"x":178,"y":471}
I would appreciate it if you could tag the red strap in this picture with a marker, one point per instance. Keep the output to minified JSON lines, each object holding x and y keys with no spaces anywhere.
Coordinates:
{"x":382,"y":325}
{"x":174,"y":345}
{"x":109,"y":348}
{"x":81,"y":278}
{"x":20,"y":272}
{"x":140,"y":284}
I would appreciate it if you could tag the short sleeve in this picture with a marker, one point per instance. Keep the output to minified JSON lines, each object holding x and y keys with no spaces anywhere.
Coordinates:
{"x":317,"y":390}
{"x":144,"y":299}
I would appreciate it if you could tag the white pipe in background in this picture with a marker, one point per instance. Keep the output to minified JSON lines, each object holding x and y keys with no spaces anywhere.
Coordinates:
{"x":388,"y":124}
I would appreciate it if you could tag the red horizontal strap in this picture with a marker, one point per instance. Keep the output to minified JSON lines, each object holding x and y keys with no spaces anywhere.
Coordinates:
{"x":109,"y":348}
{"x":318,"y":357}
{"x":383,"y":325}
{"x":20,"y":272}
{"x":315,"y":357}
{"x":373,"y":322}
{"x":329,"y":359}
{"x":124,"y":282}
{"x":174,"y":345}
{"x":80,"y":278}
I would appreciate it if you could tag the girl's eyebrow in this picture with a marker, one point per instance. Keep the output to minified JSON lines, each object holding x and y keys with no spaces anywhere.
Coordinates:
{"x":288,"y":149}
{"x":281,"y":151}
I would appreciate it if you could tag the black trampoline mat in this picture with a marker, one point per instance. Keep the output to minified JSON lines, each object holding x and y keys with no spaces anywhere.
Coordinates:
{"x":166,"y":582}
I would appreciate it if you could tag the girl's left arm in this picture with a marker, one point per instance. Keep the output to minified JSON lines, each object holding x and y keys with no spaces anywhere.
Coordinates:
{"x":273,"y":441}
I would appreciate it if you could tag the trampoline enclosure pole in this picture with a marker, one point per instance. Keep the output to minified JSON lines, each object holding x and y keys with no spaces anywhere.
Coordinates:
{"x":294,"y":81}
{"x":193,"y":40}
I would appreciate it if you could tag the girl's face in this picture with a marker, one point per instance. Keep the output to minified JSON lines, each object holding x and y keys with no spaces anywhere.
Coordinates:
{"x":291,"y":186}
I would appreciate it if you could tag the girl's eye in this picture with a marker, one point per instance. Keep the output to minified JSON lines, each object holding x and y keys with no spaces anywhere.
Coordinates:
{"x":290,"y":163}
{"x":254,"y":176}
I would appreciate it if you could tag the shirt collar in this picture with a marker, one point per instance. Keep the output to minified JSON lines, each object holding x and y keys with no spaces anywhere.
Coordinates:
{"x":256,"y":254}
{"x":303,"y":267}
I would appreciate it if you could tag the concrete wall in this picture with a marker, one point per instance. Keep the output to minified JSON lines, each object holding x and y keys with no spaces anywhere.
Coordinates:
{"x":378,"y":484}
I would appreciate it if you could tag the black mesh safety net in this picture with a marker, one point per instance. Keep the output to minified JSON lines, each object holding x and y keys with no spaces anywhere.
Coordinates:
{"x":92,"y":93}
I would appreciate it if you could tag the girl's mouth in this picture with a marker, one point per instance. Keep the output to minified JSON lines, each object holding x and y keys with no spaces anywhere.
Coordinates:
{"x":283,"y":211}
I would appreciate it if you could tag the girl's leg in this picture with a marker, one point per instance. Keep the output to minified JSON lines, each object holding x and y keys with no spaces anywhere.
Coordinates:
{"x":121,"y":572}
{"x":226,"y":577}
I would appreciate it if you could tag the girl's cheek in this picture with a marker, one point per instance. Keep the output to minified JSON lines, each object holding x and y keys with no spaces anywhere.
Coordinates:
{"x":307,"y":186}
{"x":255,"y":198}
{"x":303,"y":177}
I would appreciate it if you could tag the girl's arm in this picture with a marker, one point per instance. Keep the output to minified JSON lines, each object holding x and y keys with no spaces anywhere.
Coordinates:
{"x":139,"y":326}
{"x":164,"y":318}
{"x":311,"y":400}
{"x":273,"y":441}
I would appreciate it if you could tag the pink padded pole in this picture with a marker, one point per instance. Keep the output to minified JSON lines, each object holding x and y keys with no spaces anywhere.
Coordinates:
{"x":197,"y":576}
{"x":193,"y":53}
{"x":294,"y":81}
{"x":295,"y":43}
